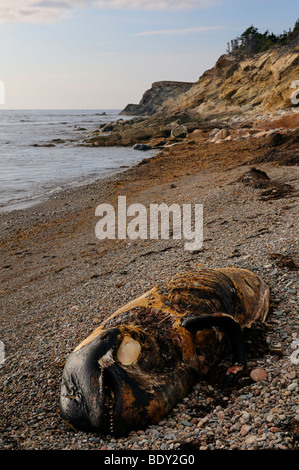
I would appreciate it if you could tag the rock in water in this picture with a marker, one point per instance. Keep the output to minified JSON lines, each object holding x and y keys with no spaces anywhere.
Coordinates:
{"x":143,"y":147}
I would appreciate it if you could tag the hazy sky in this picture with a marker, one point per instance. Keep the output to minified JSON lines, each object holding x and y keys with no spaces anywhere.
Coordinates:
{"x":103,"y":54}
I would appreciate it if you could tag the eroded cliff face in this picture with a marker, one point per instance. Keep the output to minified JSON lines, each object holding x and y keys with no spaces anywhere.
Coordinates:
{"x":239,"y":84}
{"x":236,"y":84}
{"x":154,"y":98}
{"x":239,"y":98}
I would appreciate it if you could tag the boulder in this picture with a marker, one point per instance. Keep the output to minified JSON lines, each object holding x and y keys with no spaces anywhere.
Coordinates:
{"x":108,"y":127}
{"x":213,"y":132}
{"x":222,"y":134}
{"x":179,"y":132}
{"x":138,"y":133}
{"x":197,"y":134}
{"x":143,"y":147}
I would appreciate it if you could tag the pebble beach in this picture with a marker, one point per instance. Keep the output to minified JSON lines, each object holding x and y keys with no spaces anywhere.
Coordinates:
{"x":58,"y":282}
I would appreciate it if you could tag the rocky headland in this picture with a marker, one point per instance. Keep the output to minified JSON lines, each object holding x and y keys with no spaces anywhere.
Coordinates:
{"x":241,"y":96}
{"x":153,"y":99}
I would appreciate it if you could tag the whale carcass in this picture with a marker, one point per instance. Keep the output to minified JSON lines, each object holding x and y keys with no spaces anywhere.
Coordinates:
{"x":144,"y":358}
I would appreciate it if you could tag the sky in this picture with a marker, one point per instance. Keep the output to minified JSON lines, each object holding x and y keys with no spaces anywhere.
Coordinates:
{"x":104,"y":54}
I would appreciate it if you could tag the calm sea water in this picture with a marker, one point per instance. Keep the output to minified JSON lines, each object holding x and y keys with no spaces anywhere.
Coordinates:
{"x":29,"y":172}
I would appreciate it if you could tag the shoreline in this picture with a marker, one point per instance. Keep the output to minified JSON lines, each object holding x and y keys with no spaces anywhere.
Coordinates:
{"x":37,"y":149}
{"x":58,"y":282}
{"x":31,"y":201}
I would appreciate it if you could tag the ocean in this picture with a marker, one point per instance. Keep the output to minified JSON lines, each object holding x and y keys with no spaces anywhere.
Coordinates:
{"x":30,"y":172}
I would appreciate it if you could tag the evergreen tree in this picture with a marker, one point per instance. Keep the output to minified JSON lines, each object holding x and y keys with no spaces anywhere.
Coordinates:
{"x":252,"y":41}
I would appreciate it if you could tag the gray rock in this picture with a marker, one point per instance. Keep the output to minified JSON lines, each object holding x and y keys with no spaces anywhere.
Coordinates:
{"x":222,"y":134}
{"x":142,"y":147}
{"x":213,"y":132}
{"x":179,"y":131}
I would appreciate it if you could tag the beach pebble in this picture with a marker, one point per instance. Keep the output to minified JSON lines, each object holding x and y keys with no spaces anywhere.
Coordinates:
{"x":245,"y":430}
{"x":251,"y":440}
{"x":292,"y":387}
{"x":258,"y":374}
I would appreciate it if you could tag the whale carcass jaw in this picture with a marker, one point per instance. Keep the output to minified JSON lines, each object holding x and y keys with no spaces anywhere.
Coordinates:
{"x":106,"y":360}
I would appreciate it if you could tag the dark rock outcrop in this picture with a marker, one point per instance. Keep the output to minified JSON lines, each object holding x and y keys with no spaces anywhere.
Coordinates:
{"x":142,"y":147}
{"x":155,"y":97}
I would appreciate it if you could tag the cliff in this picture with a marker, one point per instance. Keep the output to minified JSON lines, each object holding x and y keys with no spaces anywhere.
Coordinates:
{"x":155,"y":97}
{"x":235,"y":84}
{"x":253,"y":92}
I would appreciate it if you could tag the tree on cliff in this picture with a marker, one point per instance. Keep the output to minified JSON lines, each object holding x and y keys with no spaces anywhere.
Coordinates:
{"x":253,"y":42}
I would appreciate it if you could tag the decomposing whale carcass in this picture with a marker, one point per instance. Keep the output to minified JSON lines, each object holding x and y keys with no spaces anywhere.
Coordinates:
{"x":146,"y":356}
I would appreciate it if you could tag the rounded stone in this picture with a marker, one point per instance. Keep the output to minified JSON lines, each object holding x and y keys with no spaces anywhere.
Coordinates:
{"x":258,"y":374}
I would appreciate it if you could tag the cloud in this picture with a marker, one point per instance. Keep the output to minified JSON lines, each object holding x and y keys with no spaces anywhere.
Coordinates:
{"x":107,"y":54}
{"x":155,"y":5}
{"x":51,"y":11}
{"x":32,"y":11}
{"x":173,"y":32}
